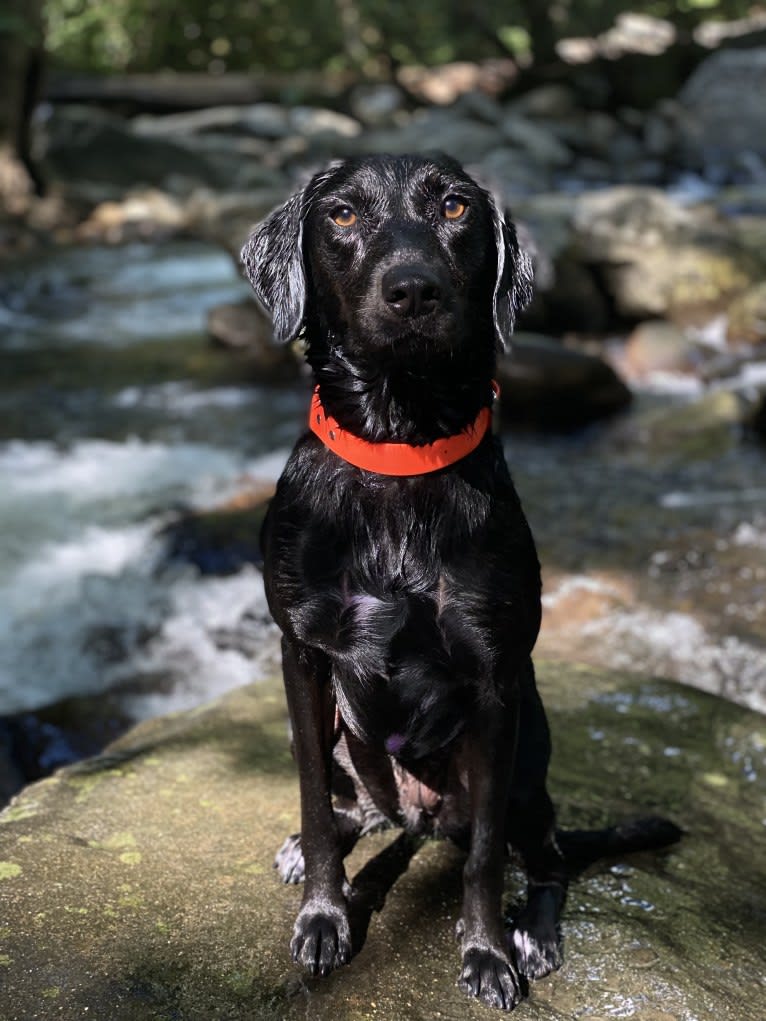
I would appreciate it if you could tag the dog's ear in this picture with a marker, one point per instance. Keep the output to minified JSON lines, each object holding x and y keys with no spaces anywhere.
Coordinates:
{"x":513,"y":283}
{"x":273,"y":260}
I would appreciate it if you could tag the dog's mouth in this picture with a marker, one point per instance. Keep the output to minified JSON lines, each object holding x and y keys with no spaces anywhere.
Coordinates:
{"x":437,"y":330}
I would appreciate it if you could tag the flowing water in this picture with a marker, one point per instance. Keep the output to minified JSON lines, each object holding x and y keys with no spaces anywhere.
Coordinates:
{"x":115,"y":413}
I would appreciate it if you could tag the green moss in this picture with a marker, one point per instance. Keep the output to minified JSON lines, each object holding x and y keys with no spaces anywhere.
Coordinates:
{"x":9,"y":870}
{"x":115,"y":842}
{"x":15,"y":813}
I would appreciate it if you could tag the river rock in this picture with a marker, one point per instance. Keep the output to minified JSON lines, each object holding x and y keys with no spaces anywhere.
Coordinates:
{"x":747,"y":317}
{"x":744,"y":200}
{"x":476,"y":105}
{"x":555,"y":100}
{"x":376,"y":103}
{"x":228,"y":218}
{"x":221,"y":540}
{"x":723,"y":102}
{"x":267,"y":120}
{"x":660,"y":129}
{"x":191,"y":122}
{"x":615,"y":219}
{"x":142,"y":878}
{"x":653,"y":257}
{"x":87,"y":151}
{"x":537,"y":142}
{"x":11,"y":775}
{"x":510,"y":174}
{"x":238,"y":325}
{"x":699,"y":429}
{"x":435,"y":129}
{"x":148,"y":214}
{"x":659,"y":346}
{"x":238,"y":163}
{"x":320,"y":125}
{"x":98,"y":156}
{"x":600,"y":131}
{"x":549,"y":217}
{"x":548,"y":385}
{"x":757,"y":421}
{"x":568,"y":298}
{"x":244,"y":326}
{"x":657,"y":258}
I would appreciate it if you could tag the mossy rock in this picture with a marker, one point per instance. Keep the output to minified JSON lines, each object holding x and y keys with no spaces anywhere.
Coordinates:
{"x":138,"y":885}
{"x":686,"y":283}
{"x":693,"y":430}
{"x":747,"y":317}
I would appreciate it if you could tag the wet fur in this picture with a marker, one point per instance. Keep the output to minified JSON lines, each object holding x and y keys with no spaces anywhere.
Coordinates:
{"x":409,"y":606}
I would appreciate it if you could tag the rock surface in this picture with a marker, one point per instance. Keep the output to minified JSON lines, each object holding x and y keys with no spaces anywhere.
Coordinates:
{"x":550,"y":386}
{"x":729,"y":81}
{"x":747,"y":317}
{"x":658,"y":346}
{"x":139,"y":885}
{"x":244,"y":326}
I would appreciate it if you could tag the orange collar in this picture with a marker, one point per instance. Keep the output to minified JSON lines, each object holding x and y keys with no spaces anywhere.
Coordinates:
{"x":397,"y":458}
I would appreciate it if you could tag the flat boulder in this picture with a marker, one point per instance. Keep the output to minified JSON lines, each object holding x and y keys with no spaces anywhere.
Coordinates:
{"x":550,"y":386}
{"x":138,"y":884}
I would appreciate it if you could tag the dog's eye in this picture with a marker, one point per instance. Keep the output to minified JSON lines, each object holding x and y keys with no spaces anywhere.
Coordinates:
{"x":344,"y":216}
{"x":453,"y":207}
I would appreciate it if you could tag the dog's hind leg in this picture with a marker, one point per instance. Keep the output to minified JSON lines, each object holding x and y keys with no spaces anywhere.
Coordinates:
{"x":289,"y":858}
{"x":365,"y":802}
{"x":531,"y":831}
{"x":536,"y":937}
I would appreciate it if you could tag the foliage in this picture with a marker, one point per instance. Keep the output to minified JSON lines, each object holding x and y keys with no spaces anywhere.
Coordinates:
{"x":215,"y":35}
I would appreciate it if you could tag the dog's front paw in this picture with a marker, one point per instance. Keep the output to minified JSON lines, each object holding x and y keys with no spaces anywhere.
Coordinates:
{"x":321,"y":939}
{"x":490,"y":976}
{"x":536,"y":955}
{"x":289,"y":860}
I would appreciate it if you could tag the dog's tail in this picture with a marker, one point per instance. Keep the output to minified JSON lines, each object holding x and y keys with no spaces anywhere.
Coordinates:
{"x":581,"y":848}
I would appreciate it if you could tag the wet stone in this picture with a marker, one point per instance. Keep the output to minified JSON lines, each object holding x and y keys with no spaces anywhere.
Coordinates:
{"x":142,"y":878}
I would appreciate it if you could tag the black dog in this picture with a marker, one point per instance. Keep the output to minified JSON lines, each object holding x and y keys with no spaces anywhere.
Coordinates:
{"x":398,"y":561}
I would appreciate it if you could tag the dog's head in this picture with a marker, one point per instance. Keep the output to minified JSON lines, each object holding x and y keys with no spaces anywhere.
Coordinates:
{"x":400,"y":251}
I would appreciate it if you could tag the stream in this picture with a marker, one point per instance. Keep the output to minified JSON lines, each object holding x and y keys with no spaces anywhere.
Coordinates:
{"x":116,"y":413}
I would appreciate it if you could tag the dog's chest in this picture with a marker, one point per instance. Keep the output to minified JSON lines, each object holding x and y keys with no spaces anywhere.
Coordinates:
{"x":442,"y":565}
{"x":359,"y":579}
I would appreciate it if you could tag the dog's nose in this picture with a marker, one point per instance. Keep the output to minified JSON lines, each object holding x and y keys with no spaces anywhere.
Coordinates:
{"x":411,"y":290}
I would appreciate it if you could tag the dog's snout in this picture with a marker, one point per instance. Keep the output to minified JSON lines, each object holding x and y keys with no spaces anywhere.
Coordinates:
{"x":411,"y":290}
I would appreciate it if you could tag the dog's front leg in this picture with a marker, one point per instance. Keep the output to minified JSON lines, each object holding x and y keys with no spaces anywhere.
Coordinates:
{"x":321,"y":937}
{"x":488,"y":971}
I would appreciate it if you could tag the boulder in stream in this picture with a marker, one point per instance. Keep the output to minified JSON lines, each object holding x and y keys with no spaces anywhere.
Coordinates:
{"x":747,"y":317}
{"x":657,"y":258}
{"x":140,"y":882}
{"x":723,"y":103}
{"x":659,"y":346}
{"x":244,"y":326}
{"x":548,"y":385}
